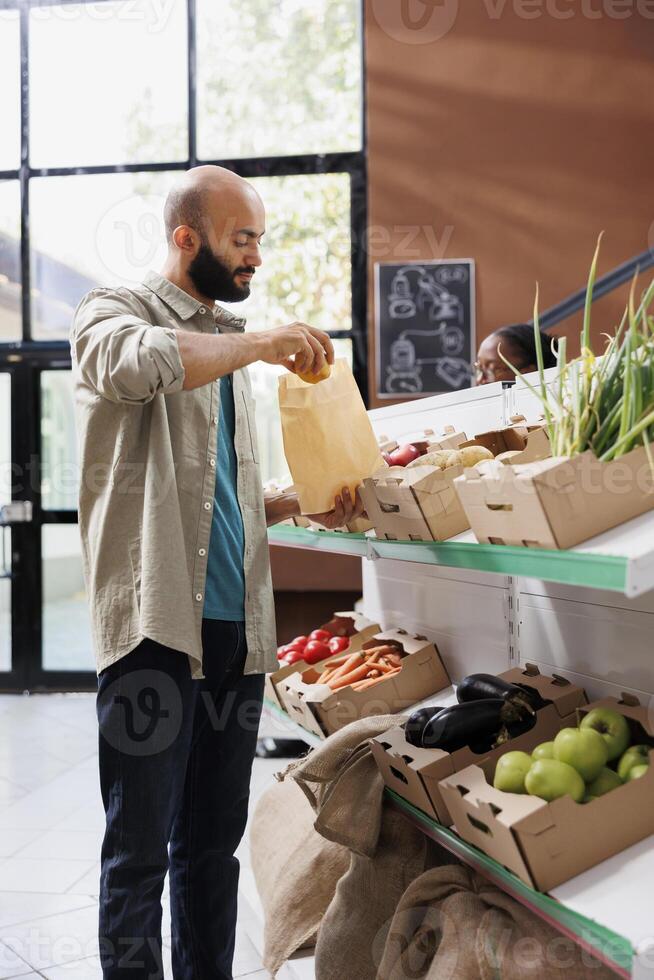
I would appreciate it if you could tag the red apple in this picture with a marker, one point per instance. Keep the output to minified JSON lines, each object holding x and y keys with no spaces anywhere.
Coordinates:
{"x":404,"y":455}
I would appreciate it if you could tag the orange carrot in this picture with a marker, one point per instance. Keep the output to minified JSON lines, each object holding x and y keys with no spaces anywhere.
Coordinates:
{"x":352,"y":661}
{"x":332,"y":668}
{"x":370,"y":681}
{"x":358,"y":674}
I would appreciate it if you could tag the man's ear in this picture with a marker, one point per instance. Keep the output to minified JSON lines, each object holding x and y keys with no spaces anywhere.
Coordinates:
{"x":186,"y":239}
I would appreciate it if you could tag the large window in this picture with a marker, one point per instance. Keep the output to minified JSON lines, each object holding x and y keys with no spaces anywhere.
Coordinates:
{"x":141,"y":91}
{"x":103,"y":103}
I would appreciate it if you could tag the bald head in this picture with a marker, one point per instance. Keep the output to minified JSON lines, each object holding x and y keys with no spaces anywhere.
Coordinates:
{"x":215,"y":221}
{"x":206,"y":195}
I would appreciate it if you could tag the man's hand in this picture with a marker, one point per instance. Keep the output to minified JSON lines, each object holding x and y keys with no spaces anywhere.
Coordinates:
{"x":298,"y":347}
{"x":345,"y":510}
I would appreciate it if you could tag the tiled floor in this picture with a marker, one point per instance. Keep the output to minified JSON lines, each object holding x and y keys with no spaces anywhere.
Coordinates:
{"x":51,"y":826}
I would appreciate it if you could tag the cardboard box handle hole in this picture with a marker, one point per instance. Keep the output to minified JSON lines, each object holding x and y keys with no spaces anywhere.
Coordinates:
{"x":500,"y":506}
{"x":389,"y":508}
{"x":478,"y":825}
{"x":398,"y":775}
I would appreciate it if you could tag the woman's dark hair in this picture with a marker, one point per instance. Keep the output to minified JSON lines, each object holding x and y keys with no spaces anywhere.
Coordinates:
{"x":520,"y":337}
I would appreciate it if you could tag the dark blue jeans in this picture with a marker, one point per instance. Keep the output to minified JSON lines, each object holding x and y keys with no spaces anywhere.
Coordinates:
{"x":175,"y":764}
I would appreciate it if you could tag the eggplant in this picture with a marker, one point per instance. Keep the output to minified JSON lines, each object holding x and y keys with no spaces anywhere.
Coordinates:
{"x":416,"y":722}
{"x":476,"y":687}
{"x":473,"y":723}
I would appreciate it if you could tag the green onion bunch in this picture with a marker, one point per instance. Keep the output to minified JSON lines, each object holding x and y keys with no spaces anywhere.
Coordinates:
{"x":605,"y":404}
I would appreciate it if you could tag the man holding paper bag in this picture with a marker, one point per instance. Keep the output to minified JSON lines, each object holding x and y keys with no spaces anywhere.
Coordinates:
{"x":173,"y":525}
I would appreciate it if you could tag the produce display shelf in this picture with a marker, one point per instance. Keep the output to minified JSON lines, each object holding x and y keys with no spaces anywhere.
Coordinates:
{"x":602,"y":910}
{"x":620,"y":560}
{"x":614,"y":950}
{"x":335,"y":542}
{"x":290,"y":727}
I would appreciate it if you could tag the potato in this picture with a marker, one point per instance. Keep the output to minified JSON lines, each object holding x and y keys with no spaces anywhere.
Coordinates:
{"x":438,"y":457}
{"x":471,"y":455}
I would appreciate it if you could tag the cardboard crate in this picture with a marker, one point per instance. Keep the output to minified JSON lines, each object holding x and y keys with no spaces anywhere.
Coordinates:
{"x":545,"y":844}
{"x":508,"y":438}
{"x":323,"y":711}
{"x":350,"y":623}
{"x":426,"y":440}
{"x":536,"y":448}
{"x":415,"y":503}
{"x":358,"y":526}
{"x":557,"y":502}
{"x":415,"y":773}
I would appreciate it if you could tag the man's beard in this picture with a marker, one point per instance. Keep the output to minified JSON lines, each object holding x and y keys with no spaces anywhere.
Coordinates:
{"x":211,"y":277}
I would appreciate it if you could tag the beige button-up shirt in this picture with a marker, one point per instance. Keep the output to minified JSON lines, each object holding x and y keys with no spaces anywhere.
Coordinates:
{"x":148,"y":452}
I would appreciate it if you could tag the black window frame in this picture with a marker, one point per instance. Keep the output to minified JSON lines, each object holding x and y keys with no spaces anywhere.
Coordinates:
{"x":27,"y":358}
{"x":353,"y":163}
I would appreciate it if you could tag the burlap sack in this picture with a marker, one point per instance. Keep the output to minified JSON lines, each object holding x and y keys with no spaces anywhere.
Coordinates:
{"x":352,"y":935}
{"x":452,"y":924}
{"x":296,"y":872}
{"x":342,"y":781}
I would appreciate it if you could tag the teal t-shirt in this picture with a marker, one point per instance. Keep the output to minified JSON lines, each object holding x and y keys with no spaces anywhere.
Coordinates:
{"x":224,"y":596}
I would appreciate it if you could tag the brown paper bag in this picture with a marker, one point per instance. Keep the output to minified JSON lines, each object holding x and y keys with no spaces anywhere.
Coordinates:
{"x":328,"y":439}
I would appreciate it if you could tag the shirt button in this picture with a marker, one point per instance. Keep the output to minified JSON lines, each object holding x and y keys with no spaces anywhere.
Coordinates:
{"x":212,"y":462}
{"x":207,"y":505}
{"x":199,"y":597}
{"x":215,"y":420}
{"x":202,"y":552}
{"x":202,"y":310}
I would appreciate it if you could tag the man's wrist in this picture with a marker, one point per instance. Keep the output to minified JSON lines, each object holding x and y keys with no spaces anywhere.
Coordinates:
{"x":258,"y":344}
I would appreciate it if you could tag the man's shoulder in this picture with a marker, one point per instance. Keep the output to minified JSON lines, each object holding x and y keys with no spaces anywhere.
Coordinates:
{"x":104,"y":301}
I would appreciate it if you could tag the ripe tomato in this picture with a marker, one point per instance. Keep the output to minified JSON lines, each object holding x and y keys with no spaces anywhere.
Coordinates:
{"x":281,"y":652}
{"x":315,"y":650}
{"x":300,"y":641}
{"x":293,"y":656}
{"x":338,"y":643}
{"x":322,"y":635}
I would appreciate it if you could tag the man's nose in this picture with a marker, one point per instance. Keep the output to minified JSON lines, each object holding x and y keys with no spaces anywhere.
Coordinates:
{"x":254,"y":256}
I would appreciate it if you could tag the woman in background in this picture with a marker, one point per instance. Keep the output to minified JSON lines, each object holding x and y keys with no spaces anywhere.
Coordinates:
{"x":518,"y":346}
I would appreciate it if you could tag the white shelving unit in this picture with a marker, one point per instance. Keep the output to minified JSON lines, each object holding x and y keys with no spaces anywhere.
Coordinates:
{"x":587,"y":614}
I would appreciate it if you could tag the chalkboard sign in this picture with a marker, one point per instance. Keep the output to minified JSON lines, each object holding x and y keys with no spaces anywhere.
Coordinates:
{"x":425,"y":327}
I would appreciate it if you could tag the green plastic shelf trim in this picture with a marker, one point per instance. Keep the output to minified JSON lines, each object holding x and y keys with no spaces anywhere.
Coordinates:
{"x":567,"y":567}
{"x":612,"y":948}
{"x":334,"y":541}
{"x":301,"y":733}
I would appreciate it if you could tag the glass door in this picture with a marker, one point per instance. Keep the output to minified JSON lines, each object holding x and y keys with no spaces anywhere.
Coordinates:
{"x":45,"y":637}
{"x":5,"y":530}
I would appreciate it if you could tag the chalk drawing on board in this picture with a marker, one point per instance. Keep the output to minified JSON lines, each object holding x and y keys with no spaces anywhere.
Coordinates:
{"x":424,"y":308}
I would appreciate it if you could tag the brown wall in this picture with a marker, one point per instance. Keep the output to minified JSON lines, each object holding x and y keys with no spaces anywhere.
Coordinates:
{"x":513,"y":141}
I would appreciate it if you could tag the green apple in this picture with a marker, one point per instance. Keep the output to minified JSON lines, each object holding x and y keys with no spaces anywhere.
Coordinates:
{"x":604,"y":783}
{"x":511,"y":770}
{"x":582,"y":748}
{"x":613,"y":727}
{"x":588,"y":798}
{"x":637,"y":755}
{"x":637,"y":772}
{"x":550,"y":779}
{"x":543,"y":751}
